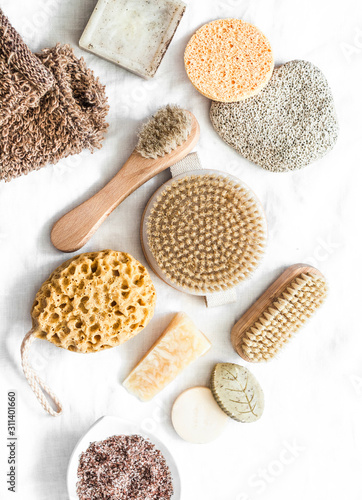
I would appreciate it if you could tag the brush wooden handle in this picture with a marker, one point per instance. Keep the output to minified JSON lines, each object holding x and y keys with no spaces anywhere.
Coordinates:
{"x":265,"y":301}
{"x":75,"y":228}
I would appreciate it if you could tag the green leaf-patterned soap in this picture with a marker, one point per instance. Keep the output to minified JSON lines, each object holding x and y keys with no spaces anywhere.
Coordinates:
{"x":237,"y":392}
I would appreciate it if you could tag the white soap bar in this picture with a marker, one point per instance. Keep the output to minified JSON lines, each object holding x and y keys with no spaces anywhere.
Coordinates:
{"x":134,"y":34}
{"x":196,"y":416}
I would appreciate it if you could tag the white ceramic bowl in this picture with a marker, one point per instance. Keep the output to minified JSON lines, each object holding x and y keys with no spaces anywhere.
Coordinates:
{"x":111,"y":426}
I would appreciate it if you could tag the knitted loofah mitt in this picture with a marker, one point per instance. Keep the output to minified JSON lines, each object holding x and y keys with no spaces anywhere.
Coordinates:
{"x":23,"y":78}
{"x":56,"y":113}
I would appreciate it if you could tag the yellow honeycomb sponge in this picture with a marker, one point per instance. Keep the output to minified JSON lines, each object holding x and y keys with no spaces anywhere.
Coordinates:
{"x":279,"y":313}
{"x":229,"y":60}
{"x":94,"y":301}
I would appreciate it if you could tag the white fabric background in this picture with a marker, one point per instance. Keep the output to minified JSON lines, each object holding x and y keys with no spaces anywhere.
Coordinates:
{"x":313,"y":390}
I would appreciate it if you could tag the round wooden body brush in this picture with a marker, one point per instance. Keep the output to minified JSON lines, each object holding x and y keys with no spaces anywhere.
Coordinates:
{"x":204,"y":231}
{"x":279,"y":313}
{"x":163,"y":141}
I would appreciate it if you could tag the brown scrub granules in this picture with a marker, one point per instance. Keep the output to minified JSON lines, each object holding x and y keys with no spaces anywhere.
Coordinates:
{"x":123,"y":468}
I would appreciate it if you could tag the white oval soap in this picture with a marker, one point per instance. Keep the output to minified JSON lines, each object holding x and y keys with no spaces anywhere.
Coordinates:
{"x":196,"y":416}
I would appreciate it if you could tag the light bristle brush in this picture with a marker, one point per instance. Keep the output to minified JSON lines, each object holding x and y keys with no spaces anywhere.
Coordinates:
{"x":163,"y":141}
{"x":279,"y":313}
{"x":204,"y":232}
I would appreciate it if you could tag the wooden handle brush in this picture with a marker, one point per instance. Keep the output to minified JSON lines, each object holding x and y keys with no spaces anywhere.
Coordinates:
{"x":278,"y":313}
{"x":163,"y":141}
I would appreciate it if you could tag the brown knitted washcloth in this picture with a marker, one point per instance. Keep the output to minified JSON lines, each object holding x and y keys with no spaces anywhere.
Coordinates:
{"x":64,"y":120}
{"x":23,"y":79}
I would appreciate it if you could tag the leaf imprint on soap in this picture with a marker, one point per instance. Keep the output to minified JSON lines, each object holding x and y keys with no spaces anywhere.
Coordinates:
{"x":244,"y":390}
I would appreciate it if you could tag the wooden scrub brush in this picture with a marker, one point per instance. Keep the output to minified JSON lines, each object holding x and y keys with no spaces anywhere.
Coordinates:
{"x":279,"y":313}
{"x":204,"y":231}
{"x":163,"y":141}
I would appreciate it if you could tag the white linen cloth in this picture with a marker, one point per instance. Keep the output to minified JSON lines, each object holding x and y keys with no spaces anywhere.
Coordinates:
{"x":308,"y":443}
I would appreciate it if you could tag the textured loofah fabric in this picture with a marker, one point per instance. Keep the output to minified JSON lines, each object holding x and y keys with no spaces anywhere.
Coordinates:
{"x":207,"y":232}
{"x":23,"y":78}
{"x":289,"y":124}
{"x":277,"y":324}
{"x":94,"y":301}
{"x":51,"y":107}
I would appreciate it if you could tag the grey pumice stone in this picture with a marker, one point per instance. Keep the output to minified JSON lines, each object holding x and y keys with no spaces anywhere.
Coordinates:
{"x":237,"y":392}
{"x":291,"y":123}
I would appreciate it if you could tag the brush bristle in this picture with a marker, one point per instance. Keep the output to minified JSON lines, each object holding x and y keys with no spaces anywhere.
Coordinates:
{"x":207,"y":233}
{"x":277,"y":324}
{"x":164,"y":132}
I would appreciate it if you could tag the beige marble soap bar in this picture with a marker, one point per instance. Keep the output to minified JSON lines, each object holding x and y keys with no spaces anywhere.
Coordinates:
{"x":179,"y":345}
{"x":134,"y":34}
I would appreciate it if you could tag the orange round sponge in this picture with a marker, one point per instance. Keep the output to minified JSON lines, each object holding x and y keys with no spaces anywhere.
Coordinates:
{"x":229,"y":60}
